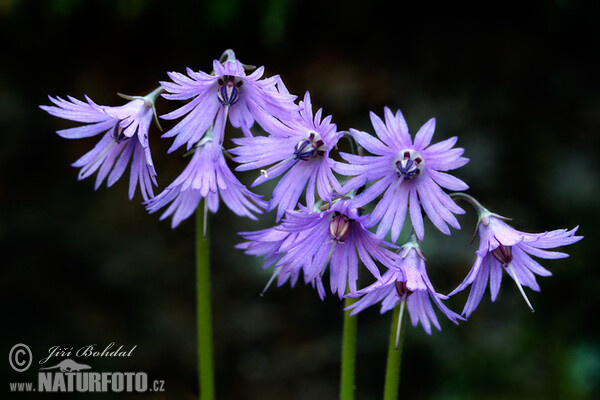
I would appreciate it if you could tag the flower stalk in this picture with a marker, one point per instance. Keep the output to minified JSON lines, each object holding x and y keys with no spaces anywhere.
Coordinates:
{"x":203,"y":310}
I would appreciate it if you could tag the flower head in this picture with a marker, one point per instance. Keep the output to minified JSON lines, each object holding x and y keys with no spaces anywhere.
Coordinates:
{"x":206,"y":176}
{"x":406,"y":282}
{"x":302,"y":150}
{"x":336,"y":238}
{"x":228,"y":93}
{"x":503,"y":247}
{"x":125,"y":131}
{"x":409,"y":174}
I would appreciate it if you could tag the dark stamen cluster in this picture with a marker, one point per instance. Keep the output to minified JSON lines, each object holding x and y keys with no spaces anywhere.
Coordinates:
{"x":408,"y":168}
{"x":117,"y":133}
{"x":228,"y":91}
{"x":339,"y":227}
{"x":503,"y":254}
{"x":310,"y":147}
{"x":402,"y":290}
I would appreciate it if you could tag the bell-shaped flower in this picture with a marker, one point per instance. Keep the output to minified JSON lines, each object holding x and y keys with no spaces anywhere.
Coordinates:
{"x":407,"y":283}
{"x":125,"y":130}
{"x":502,"y":247}
{"x":207,"y":176}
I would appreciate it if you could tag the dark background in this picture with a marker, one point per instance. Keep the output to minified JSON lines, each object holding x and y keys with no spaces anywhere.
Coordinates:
{"x":517,"y":83}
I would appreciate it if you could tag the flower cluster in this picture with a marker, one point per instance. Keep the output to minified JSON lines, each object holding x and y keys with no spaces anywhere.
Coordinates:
{"x":322,"y":194}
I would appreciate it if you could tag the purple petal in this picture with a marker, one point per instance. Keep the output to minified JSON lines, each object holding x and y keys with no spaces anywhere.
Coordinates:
{"x":424,"y":135}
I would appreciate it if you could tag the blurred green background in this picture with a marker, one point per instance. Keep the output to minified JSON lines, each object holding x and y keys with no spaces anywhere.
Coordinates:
{"x":518,"y":83}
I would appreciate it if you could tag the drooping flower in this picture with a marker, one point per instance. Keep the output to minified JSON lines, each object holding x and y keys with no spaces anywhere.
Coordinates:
{"x":125,"y":131}
{"x":409,"y":174}
{"x":206,"y":176}
{"x":227,"y":94}
{"x":503,"y":247}
{"x":336,"y":238}
{"x":406,"y":282}
{"x":302,"y":151}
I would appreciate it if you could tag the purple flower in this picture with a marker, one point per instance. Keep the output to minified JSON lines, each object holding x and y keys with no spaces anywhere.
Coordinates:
{"x":125,"y":131}
{"x":228,"y":93}
{"x":408,"y":174}
{"x":406,"y":282}
{"x":206,"y":176}
{"x":335,"y":237}
{"x":302,"y":151}
{"x":502,"y":247}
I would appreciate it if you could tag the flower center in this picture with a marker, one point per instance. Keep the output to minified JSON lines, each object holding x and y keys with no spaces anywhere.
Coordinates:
{"x":409,"y":164}
{"x":503,"y":254}
{"x":339,"y":227}
{"x":117,"y":133}
{"x":229,"y":89}
{"x":402,"y":290}
{"x":310,"y":147}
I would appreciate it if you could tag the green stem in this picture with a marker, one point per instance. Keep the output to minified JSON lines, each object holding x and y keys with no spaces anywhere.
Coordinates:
{"x":204,"y":324}
{"x":348,"y":353}
{"x":394,"y":357}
